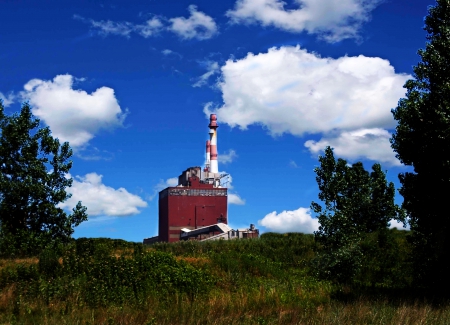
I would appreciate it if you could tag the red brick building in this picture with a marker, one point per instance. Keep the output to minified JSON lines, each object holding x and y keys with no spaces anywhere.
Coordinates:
{"x":194,"y":203}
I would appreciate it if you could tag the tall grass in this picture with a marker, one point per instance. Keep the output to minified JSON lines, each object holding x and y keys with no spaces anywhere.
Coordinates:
{"x":258,"y":281}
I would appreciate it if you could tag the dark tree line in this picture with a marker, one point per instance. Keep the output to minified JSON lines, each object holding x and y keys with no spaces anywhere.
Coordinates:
{"x":422,"y":140}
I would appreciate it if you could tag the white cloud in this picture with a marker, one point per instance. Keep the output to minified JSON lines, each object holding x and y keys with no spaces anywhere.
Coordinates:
{"x":72,"y":114}
{"x":101,"y":199}
{"x":398,"y":225}
{"x":370,"y":143}
{"x":299,"y":220}
{"x":149,"y":28}
{"x":107,"y":27}
{"x":168,"y":52}
{"x":234,"y":198}
{"x":110,"y":27}
{"x":213,"y":68}
{"x":7,"y":99}
{"x":94,"y":154}
{"x":198,"y":25}
{"x":289,"y":90}
{"x":332,"y":20}
{"x":227,"y":157}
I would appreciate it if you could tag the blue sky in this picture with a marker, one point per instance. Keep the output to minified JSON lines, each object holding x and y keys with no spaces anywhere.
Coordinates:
{"x":130,"y":84}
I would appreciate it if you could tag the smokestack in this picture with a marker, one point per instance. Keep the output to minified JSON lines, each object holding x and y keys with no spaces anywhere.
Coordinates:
{"x":213,"y":144}
{"x":208,"y":156}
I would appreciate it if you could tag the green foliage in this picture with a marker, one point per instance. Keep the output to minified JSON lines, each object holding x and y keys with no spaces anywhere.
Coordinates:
{"x":264,"y":280}
{"x":33,"y":169}
{"x":49,"y":263}
{"x":354,"y":203}
{"x":293,"y":249}
{"x":422,"y":140}
{"x":386,"y":260}
{"x":104,"y":279}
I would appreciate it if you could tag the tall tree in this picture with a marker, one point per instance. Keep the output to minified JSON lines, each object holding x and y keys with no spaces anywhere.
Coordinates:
{"x":422,"y":140}
{"x":33,"y":181}
{"x":355,"y":203}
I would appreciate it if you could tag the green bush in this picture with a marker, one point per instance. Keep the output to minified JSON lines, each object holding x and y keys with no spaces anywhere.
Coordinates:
{"x":48,"y":264}
{"x":91,"y":272}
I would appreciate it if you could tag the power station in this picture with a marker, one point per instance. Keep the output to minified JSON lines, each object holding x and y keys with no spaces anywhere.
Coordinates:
{"x":197,"y":208}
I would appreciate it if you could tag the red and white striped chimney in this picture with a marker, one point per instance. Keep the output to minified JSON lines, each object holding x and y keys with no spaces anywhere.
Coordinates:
{"x":208,"y":156}
{"x":213,"y":144}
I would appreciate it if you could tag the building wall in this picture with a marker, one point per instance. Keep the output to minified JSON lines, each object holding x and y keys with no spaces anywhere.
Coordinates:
{"x":190,"y":207}
{"x":163,"y":220}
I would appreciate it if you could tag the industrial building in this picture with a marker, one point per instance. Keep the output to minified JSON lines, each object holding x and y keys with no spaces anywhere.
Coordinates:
{"x":197,"y":208}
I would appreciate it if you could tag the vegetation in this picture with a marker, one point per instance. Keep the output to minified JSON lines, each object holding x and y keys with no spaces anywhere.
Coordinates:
{"x":422,"y":140}
{"x":256,"y":281}
{"x":355,"y":203}
{"x":33,"y":181}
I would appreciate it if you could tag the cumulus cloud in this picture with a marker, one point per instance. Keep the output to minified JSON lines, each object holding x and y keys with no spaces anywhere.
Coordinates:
{"x":72,"y":114}
{"x":398,"y":225}
{"x":198,"y":25}
{"x":332,"y":20}
{"x":227,"y":157}
{"x":101,"y":199}
{"x":212,"y":69}
{"x":372,"y":144}
{"x":234,"y":198}
{"x":289,"y":90}
{"x":7,"y":99}
{"x":299,"y":220}
{"x":107,"y":27}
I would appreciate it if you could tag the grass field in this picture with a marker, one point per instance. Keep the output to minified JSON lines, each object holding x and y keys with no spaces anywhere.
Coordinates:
{"x":261,"y":281}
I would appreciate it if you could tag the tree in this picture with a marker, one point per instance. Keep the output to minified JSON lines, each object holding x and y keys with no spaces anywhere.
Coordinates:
{"x":422,"y":140}
{"x":355,"y":203}
{"x":33,"y":181}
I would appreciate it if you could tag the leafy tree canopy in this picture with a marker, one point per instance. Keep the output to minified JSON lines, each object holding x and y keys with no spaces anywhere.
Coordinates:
{"x":33,"y":181}
{"x":422,"y":140}
{"x":355,"y":202}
